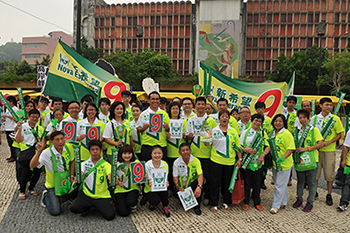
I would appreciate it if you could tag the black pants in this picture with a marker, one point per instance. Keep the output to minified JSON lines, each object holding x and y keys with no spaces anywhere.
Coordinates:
{"x":252,"y":180}
{"x":154,"y":198}
{"x":10,"y":142}
{"x":146,"y":153}
{"x":170,"y":175}
{"x":339,"y":176}
{"x":193,"y":185}
{"x":84,"y":203}
{"x":220,"y":175}
{"x":126,"y":200}
{"x":205,"y":163}
{"x":27,"y":176}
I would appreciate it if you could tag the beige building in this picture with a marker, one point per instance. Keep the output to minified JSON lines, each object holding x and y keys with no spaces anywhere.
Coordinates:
{"x":35,"y":48}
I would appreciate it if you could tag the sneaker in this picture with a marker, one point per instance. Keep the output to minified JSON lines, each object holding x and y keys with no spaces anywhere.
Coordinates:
{"x":308,"y":207}
{"x":316,"y":197}
{"x":133,"y":209}
{"x":166,"y":211}
{"x":297,"y":204}
{"x":336,"y":186}
{"x":197,"y":211}
{"x":151,"y":207}
{"x":342,"y":206}
{"x":206,"y":202}
{"x":329,"y":200}
{"x":42,"y":198}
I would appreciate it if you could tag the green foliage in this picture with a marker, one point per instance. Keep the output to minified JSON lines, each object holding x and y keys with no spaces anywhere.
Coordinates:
{"x":305,"y":65}
{"x":337,"y":67}
{"x":90,"y":53}
{"x":11,"y":51}
{"x":152,"y":65}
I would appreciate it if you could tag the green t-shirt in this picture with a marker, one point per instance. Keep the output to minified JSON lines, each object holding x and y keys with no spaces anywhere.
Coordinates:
{"x":194,"y":125}
{"x":129,"y":115}
{"x":284,"y":141}
{"x":187,"y":173}
{"x":312,"y":137}
{"x":96,"y":184}
{"x":267,"y":127}
{"x":292,"y":116}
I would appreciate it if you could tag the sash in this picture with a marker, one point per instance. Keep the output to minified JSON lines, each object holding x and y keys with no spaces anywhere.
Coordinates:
{"x":245,"y":155}
{"x":257,"y":143}
{"x":114,"y":167}
{"x":101,"y":161}
{"x":77,"y":157}
{"x":300,"y":142}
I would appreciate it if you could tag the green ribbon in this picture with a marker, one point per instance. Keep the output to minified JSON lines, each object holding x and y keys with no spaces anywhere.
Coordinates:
{"x":21,"y":101}
{"x":233,"y":179}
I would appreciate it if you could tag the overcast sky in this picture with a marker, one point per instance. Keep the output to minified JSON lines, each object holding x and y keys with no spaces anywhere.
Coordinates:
{"x":15,"y":24}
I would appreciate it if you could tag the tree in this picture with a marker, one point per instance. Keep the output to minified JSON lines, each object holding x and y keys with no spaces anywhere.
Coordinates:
{"x":11,"y":51}
{"x":152,"y":65}
{"x":90,"y":53}
{"x":337,"y":67}
{"x":305,"y":65}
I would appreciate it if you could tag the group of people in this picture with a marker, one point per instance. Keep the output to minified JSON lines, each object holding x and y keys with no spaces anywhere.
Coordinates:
{"x":52,"y":138}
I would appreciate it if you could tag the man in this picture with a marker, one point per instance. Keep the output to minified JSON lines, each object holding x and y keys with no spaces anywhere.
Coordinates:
{"x":126,"y":98}
{"x":95,"y":193}
{"x":43,"y":109}
{"x":222,"y":104}
{"x":208,"y":109}
{"x":307,"y":106}
{"x":327,"y":153}
{"x":187,"y":106}
{"x":187,"y":172}
{"x":290,"y":113}
{"x":244,"y":123}
{"x":149,"y":138}
{"x":199,"y":150}
{"x":104,"y":105}
{"x":84,"y":101}
{"x":56,"y":103}
{"x":260,"y":108}
{"x":345,"y":194}
{"x":10,"y":125}
{"x":64,"y":158}
{"x":163,"y":103}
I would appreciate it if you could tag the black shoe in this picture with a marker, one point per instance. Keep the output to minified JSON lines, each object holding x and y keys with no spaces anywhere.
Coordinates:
{"x":198,"y":211}
{"x":316,"y":197}
{"x":151,"y":207}
{"x":329,"y":199}
{"x":85,"y":213}
{"x":263,"y":186}
{"x":143,"y":201}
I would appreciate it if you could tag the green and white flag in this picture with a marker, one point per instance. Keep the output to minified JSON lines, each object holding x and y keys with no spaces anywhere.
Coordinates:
{"x":159,"y":179}
{"x":176,"y":128}
{"x":187,"y":199}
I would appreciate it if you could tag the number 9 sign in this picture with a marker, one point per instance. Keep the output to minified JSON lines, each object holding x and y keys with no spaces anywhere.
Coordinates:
{"x":92,"y":132}
{"x":70,"y":131}
{"x":138,"y":172}
{"x":156,"y":122}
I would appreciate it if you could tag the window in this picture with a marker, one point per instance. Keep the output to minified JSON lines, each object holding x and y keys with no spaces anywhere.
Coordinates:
{"x":32,"y":56}
{"x":33,"y":45}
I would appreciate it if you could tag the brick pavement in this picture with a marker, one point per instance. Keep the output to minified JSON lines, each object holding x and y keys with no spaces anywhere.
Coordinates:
{"x":29,"y":216}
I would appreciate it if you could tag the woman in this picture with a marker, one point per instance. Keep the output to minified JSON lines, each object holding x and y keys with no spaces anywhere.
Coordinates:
{"x":312,"y":142}
{"x":223,"y":159}
{"x":55,"y":123}
{"x":90,"y":119}
{"x":285,"y":146}
{"x":136,"y":136}
{"x":253,"y":174}
{"x":174,"y":143}
{"x":118,"y":130}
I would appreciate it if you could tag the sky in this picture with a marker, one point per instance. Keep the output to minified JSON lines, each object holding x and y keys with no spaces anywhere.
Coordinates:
{"x":15,"y":24}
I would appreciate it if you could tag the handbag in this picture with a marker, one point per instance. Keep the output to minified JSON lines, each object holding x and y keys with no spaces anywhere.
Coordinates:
{"x":238,"y":191}
{"x":61,"y":179}
{"x":25,"y":156}
{"x":307,"y":159}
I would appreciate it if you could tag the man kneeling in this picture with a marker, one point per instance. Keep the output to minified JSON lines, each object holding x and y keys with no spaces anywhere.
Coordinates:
{"x":187,"y":172}
{"x":59,"y":158}
{"x":95,"y":193}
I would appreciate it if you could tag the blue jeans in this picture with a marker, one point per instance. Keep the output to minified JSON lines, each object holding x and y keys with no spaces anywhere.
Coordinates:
{"x":345,"y":192}
{"x":52,"y":202}
{"x":310,"y":178}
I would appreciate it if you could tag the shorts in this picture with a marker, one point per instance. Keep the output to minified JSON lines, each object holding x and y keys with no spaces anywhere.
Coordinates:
{"x":327,"y":162}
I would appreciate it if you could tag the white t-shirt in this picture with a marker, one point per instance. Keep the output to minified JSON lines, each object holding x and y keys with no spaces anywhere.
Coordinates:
{"x":27,"y":135}
{"x":46,"y":160}
{"x":103,"y":117}
{"x":10,"y":125}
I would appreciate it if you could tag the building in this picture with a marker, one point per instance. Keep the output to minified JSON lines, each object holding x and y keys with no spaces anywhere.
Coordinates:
{"x":35,"y":48}
{"x":290,"y":25}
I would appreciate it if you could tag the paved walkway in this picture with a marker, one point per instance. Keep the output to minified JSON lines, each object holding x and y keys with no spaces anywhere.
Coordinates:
{"x":29,"y":216}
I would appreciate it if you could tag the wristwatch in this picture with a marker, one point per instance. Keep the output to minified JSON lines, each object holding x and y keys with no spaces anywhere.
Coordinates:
{"x":200,"y":186}
{"x":72,"y":176}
